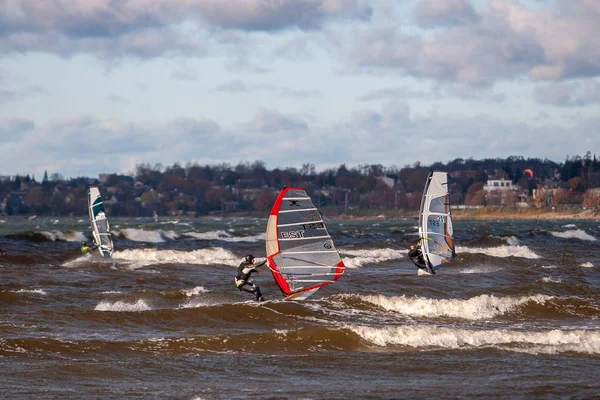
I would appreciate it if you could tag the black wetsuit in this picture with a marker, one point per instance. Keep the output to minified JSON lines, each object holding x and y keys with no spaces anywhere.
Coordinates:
{"x":242,"y":278}
{"x":416,"y":257}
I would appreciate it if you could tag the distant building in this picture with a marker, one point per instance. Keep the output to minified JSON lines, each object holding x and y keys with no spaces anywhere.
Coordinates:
{"x":498,"y":184}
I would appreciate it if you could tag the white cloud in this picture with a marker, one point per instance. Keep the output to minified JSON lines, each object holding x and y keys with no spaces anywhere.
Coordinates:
{"x":504,"y":40}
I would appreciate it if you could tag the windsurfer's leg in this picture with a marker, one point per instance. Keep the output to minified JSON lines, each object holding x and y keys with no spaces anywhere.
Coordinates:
{"x":429,"y":269}
{"x":259,"y":296}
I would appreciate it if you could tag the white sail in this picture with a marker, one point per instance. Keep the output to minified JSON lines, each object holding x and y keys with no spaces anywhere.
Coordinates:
{"x":435,"y":221}
{"x":300,"y":250}
{"x":99,"y":222}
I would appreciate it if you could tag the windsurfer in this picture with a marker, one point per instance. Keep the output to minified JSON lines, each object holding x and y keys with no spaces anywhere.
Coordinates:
{"x":85,"y":248}
{"x":242,"y":278}
{"x":416,"y":256}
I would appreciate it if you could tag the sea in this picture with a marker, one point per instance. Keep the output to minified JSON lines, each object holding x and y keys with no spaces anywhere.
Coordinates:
{"x":516,"y":315}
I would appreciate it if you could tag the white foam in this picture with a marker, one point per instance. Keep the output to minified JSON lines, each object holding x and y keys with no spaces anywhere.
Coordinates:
{"x":500,"y":251}
{"x":225,"y":237}
{"x":484,"y":269}
{"x":549,"y":279}
{"x":196,"y":303}
{"x":36,"y":291}
{"x":570,"y":226}
{"x":153,"y":236}
{"x":574,"y":234}
{"x":549,"y":266}
{"x":512,"y":240}
{"x":362,"y":257}
{"x":122,"y":306}
{"x":195,"y":291}
{"x":207,"y":256}
{"x":69,"y":236}
{"x":476,"y":308}
{"x":587,"y":265}
{"x":556,"y":341}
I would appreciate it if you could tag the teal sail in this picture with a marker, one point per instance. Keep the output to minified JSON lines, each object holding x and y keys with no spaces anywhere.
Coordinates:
{"x":99,"y":222}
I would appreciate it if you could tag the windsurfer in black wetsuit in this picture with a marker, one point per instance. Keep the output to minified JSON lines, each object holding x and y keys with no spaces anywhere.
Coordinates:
{"x":416,"y":256}
{"x":242,"y":278}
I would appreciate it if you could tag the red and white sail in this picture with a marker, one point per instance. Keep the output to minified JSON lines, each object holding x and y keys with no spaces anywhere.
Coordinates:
{"x":300,"y":250}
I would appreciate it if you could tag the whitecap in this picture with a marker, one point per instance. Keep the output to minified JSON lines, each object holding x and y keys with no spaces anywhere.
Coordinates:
{"x":362,"y":257}
{"x":476,"y":308}
{"x":500,"y":251}
{"x":574,"y":234}
{"x":550,"y":341}
{"x":122,"y":306}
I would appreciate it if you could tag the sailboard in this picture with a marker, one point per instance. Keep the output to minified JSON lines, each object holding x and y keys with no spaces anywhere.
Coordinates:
{"x":435,"y":222}
{"x":99,"y":222}
{"x":300,"y":251}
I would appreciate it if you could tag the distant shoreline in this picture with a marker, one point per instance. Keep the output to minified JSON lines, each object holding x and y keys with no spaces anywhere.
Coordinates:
{"x":475,"y":214}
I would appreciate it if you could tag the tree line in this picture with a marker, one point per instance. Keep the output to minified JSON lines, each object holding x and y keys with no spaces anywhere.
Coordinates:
{"x":194,"y":189}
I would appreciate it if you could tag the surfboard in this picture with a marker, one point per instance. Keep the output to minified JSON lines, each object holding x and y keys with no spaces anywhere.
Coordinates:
{"x":300,"y":250}
{"x":435,"y":222}
{"x":99,"y":222}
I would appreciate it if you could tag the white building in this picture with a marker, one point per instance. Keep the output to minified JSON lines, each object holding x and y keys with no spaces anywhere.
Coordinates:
{"x":498,"y":184}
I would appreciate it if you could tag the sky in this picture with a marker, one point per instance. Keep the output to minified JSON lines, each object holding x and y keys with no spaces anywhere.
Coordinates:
{"x":100,"y":86}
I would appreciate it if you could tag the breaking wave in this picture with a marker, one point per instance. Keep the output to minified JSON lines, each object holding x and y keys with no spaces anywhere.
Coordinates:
{"x":122,"y":306}
{"x":574,"y":234}
{"x":476,"y":308}
{"x":208,"y":256}
{"x":362,"y":257}
{"x":548,"y":342}
{"x":501,"y":251}
{"x":153,"y":236}
{"x":225,"y":236}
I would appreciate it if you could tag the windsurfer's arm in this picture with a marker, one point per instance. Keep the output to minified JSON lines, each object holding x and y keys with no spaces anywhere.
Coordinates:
{"x":260,"y":264}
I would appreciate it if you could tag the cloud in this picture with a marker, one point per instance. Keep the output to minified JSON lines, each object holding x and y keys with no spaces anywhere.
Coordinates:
{"x":116,"y":99}
{"x":430,"y":13}
{"x":21,"y":93}
{"x":503,"y":40}
{"x":258,"y":15}
{"x":273,"y":121}
{"x":237,"y":86}
{"x":569,"y":94}
{"x":13,"y":129}
{"x":185,"y":75}
{"x":390,"y":135}
{"x":152,"y":28}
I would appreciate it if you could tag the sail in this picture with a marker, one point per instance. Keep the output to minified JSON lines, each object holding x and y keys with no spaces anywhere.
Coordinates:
{"x":300,"y":250}
{"x":435,"y":221}
{"x":100,"y":227}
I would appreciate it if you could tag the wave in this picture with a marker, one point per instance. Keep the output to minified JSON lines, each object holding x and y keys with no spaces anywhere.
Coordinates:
{"x":329,"y":339}
{"x":34,"y":291}
{"x":549,"y":279}
{"x":225,"y":236}
{"x":142,"y":235}
{"x":481,"y":307}
{"x":122,"y":306}
{"x":195,"y":291}
{"x":50,"y":236}
{"x":485,"y":269}
{"x":209,"y":256}
{"x":501,"y":251}
{"x":425,"y":336}
{"x":362,"y":257}
{"x":587,"y":265}
{"x":574,"y":234}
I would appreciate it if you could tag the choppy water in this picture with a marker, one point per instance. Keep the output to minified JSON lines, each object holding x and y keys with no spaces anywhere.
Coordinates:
{"x":517,"y":314}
